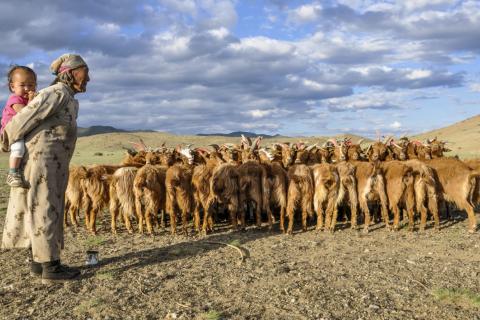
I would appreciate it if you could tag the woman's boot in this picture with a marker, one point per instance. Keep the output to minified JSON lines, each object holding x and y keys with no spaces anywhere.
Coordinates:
{"x":55,"y":272}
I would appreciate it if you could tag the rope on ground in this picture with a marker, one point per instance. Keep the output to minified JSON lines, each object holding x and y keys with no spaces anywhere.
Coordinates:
{"x":238,"y":249}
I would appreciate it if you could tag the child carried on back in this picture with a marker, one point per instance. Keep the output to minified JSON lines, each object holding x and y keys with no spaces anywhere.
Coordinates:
{"x":22,"y":82}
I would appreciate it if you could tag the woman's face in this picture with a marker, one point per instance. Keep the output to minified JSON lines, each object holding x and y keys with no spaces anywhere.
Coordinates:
{"x":22,"y":83}
{"x":80,"y":77}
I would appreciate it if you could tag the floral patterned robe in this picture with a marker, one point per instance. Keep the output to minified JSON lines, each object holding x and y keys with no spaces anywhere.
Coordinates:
{"x":35,"y":215}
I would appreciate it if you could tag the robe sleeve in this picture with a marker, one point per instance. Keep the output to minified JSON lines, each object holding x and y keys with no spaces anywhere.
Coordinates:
{"x":44,"y":105}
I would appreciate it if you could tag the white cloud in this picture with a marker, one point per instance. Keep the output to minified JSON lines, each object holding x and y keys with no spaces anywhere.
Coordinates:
{"x":419,"y":74}
{"x":395,"y":125}
{"x":305,"y":13}
{"x":475,"y":87}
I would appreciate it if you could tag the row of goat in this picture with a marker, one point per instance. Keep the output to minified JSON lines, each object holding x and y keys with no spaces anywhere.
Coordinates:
{"x":277,"y":181}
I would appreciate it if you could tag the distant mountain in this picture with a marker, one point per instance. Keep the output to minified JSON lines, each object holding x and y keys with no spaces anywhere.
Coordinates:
{"x":90,"y":131}
{"x":238,"y":134}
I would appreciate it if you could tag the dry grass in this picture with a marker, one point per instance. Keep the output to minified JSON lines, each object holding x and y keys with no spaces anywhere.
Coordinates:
{"x":463,"y":137}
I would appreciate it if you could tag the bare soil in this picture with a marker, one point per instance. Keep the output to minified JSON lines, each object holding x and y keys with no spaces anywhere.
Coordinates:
{"x":311,"y":275}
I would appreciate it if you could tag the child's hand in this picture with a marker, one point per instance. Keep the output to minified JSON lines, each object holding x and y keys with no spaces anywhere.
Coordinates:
{"x":31,"y":95}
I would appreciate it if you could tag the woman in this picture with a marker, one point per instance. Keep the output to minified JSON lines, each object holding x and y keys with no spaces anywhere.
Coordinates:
{"x":48,"y":126}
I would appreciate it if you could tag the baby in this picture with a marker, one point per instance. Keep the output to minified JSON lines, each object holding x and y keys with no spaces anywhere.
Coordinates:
{"x":22,"y":82}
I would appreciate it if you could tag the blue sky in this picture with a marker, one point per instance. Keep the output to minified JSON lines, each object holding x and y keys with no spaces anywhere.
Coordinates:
{"x":288,"y":67}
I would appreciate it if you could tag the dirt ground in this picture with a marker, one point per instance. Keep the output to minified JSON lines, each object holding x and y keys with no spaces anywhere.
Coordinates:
{"x":311,"y":275}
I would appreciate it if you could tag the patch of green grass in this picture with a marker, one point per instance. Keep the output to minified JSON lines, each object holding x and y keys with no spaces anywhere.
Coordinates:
{"x":90,"y":306}
{"x":105,"y":275}
{"x":210,"y":315}
{"x":94,"y":241}
{"x":461,"y":297}
{"x":235,"y":242}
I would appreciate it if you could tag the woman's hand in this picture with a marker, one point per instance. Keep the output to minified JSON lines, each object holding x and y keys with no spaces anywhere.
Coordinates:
{"x":31,"y":95}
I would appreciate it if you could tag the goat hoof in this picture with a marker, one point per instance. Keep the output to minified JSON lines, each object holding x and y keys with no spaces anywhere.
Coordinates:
{"x":365,"y":230}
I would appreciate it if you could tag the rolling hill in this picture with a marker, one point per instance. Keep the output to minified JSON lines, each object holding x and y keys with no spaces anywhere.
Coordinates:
{"x":463,"y":138}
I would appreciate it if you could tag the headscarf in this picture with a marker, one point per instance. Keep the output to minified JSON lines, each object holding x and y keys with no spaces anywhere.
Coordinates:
{"x":67,"y":62}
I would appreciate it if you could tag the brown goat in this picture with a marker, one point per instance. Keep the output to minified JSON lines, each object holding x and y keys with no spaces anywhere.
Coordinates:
{"x":457,"y":182}
{"x":325,"y":197}
{"x":224,"y":187}
{"x":371,"y":187}
{"x":253,"y":181}
{"x":278,"y":182}
{"x":300,"y":189}
{"x":122,"y":198}
{"x":348,"y":189}
{"x":380,"y":151}
{"x":149,"y":189}
{"x":95,"y":187}
{"x":425,"y":192}
{"x":201,"y":177}
{"x":179,"y":188}
{"x":400,"y":190}
{"x":74,"y":194}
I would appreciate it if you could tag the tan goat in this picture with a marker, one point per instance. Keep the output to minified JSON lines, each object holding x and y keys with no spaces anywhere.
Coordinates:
{"x":278,"y":182}
{"x":300,"y":188}
{"x":325,"y":197}
{"x":74,"y":194}
{"x":224,"y":186}
{"x":370,"y":187}
{"x":253,"y":181}
{"x":95,"y":186}
{"x":179,"y":188}
{"x":149,"y":190}
{"x":122,"y":198}
{"x":400,"y":190}
{"x":457,"y":182}
{"x":426,"y":195}
{"x":348,"y":190}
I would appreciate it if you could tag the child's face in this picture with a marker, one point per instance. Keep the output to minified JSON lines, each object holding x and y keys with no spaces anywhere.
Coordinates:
{"x":22,"y":83}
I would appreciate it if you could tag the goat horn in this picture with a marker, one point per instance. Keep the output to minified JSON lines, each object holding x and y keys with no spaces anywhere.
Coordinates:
{"x":214,"y":146}
{"x":309,"y":148}
{"x":396,"y":145}
{"x":387,"y":139}
{"x":360,"y":141}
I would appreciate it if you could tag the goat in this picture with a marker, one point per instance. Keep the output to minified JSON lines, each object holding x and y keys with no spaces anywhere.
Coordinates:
{"x":95,"y":186}
{"x":326,"y":192}
{"x":380,"y":151}
{"x":457,"y":184}
{"x":201,"y":177}
{"x":348,"y":190}
{"x":74,"y":194}
{"x":300,"y":189}
{"x":122,"y":198}
{"x":253,"y":181}
{"x":149,"y":188}
{"x":278,"y":182}
{"x":370,"y":186}
{"x":178,"y":184}
{"x":425,"y":186}
{"x":224,"y":187}
{"x":400,"y":190}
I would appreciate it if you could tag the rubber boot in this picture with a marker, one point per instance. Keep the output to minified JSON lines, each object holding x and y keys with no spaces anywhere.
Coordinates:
{"x":55,"y":272}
